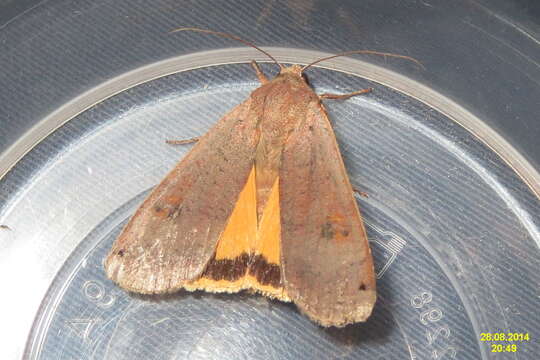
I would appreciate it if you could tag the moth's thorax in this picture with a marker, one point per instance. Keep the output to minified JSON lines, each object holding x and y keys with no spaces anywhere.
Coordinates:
{"x":288,"y":92}
{"x":280,"y":106}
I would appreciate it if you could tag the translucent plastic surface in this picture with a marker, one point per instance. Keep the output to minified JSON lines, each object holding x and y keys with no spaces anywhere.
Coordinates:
{"x":441,"y":210}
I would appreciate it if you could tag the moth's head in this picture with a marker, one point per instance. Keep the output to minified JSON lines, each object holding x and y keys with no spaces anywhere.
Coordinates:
{"x":293,"y":69}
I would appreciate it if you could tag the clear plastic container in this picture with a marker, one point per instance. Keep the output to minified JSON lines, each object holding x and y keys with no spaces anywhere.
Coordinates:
{"x":92,"y":91}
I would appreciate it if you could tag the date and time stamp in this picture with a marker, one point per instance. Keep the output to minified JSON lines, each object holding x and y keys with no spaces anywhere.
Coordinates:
{"x":504,"y":342}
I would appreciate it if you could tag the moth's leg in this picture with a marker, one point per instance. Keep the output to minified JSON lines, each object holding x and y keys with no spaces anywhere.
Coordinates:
{"x":345,"y":96}
{"x":182,"y":142}
{"x":361,"y":193}
{"x":262,"y":78}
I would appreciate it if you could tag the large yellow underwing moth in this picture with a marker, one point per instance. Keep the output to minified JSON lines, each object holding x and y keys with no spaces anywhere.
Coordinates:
{"x":262,"y":202}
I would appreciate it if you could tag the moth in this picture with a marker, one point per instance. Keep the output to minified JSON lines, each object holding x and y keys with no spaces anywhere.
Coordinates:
{"x":262,"y":202}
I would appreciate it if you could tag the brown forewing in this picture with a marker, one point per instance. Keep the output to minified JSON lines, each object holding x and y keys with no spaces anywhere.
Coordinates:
{"x":327,"y":264}
{"x":174,"y":233}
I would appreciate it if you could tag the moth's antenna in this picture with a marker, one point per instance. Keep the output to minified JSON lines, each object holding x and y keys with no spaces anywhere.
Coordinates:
{"x":229,"y":36}
{"x":370,"y":52}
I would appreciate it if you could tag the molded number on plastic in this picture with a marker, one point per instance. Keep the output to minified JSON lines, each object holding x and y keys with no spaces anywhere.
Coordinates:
{"x":440,"y":335}
{"x":95,"y":292}
{"x":431,"y":315}
{"x":82,"y":327}
{"x":443,"y":331}
{"x":418,"y":301}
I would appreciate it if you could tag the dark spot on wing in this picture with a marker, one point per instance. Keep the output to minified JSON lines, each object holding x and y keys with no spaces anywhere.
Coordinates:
{"x":327,"y":231}
{"x":362,"y":287}
{"x":174,"y":210}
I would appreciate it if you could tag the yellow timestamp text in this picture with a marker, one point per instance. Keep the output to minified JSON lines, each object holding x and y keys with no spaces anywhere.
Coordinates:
{"x":508,"y":340}
{"x":499,"y":348}
{"x":510,"y":337}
